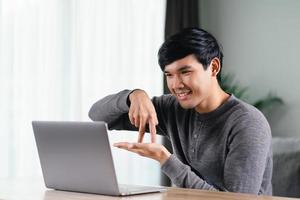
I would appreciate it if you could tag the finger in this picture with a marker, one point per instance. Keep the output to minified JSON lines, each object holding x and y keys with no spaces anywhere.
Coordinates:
{"x":152,"y":128}
{"x":156,"y":121}
{"x":141,"y":131}
{"x":139,"y":145}
{"x":132,"y":147}
{"x":155,"y":118}
{"x":136,"y":121}
{"x":138,"y":151}
{"x":131,"y":119}
{"x":123,"y":145}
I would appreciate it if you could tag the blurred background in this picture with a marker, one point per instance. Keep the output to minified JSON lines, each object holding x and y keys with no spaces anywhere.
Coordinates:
{"x":57,"y":57}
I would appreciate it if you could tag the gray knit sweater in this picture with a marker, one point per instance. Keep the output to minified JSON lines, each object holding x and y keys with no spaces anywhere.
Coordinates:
{"x":228,"y":149}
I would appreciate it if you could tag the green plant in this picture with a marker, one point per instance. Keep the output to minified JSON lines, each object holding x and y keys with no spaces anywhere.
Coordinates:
{"x":229,"y":85}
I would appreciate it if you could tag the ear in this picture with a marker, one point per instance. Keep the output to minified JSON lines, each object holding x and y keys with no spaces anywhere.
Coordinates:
{"x":215,"y":66}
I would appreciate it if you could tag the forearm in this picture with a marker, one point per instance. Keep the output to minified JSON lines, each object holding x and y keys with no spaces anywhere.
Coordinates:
{"x":112,"y":109}
{"x":182,"y":175}
{"x":164,"y":156}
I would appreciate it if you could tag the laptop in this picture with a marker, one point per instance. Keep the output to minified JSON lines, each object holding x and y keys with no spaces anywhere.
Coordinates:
{"x":76,"y":156}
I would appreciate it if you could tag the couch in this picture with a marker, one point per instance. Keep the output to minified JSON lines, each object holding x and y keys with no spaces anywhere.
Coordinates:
{"x":286,"y":167}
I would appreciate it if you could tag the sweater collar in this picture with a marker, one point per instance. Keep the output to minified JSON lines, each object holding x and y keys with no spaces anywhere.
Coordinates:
{"x":218,"y":111}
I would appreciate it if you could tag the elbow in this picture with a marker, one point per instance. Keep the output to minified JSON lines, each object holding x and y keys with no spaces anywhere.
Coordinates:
{"x":92,"y":114}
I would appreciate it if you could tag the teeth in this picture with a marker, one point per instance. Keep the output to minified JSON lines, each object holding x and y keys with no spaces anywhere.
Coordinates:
{"x":182,"y":91}
{"x":182,"y":94}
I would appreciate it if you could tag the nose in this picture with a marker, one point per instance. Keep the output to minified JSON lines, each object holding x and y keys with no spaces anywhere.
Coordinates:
{"x":177,"y":82}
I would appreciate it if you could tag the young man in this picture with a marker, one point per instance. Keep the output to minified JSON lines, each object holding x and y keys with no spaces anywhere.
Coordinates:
{"x":219,"y":142}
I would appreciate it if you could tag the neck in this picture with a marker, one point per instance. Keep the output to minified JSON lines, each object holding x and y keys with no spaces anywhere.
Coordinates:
{"x":213,"y":100}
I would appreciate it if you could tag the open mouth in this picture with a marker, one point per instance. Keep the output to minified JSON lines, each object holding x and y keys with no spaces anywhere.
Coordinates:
{"x":183,"y":95}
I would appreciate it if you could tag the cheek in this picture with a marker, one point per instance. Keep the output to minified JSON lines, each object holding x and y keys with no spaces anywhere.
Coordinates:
{"x":193,"y":82}
{"x":169,"y":83}
{"x":199,"y":84}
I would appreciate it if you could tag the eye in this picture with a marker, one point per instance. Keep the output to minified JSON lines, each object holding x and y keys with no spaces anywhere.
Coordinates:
{"x":185,"y":72}
{"x":168,"y":75}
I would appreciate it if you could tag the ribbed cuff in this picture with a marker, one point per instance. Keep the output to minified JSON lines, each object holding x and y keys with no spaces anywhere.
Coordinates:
{"x":122,"y":101}
{"x":128,"y":100}
{"x":173,"y":167}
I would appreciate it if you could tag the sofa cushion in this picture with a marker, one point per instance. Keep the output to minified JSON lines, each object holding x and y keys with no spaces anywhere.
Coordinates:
{"x":286,"y":167}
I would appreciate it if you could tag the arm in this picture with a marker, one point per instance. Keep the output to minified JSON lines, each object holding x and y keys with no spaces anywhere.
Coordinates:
{"x":180,"y":174}
{"x":183,"y":176}
{"x":248,"y":156}
{"x":245,"y":162}
{"x":113,"y":109}
{"x":131,"y":110}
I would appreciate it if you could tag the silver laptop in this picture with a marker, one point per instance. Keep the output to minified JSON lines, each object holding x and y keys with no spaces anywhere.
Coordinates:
{"x":76,"y":156}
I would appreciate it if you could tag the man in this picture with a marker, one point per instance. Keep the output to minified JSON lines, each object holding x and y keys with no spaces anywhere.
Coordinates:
{"x":219,"y":142}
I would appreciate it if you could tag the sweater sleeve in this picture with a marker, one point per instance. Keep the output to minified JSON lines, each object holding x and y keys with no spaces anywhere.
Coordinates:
{"x":113,"y":109}
{"x":245,"y":162}
{"x":182,"y":175}
{"x":249,"y":151}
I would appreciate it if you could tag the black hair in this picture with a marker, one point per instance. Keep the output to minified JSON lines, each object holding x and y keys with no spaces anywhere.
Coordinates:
{"x":195,"y":41}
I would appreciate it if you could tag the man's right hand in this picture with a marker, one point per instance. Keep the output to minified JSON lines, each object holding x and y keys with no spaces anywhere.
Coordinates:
{"x":142,"y":112}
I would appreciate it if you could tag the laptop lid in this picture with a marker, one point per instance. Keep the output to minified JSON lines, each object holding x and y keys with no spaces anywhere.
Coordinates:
{"x":76,"y":156}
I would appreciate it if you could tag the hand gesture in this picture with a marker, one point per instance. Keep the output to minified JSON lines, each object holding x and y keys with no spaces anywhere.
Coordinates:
{"x":142,"y":112}
{"x":155,"y":151}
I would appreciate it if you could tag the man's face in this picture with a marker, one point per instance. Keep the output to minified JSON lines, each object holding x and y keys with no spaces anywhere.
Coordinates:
{"x":189,"y":82}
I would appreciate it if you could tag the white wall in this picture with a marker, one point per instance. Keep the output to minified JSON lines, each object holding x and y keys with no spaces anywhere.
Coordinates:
{"x":261,"y":43}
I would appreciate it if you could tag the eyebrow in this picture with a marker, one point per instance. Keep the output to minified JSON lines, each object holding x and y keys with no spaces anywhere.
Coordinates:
{"x":180,"y":69}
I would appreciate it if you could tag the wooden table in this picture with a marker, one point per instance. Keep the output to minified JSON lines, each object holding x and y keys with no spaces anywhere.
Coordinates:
{"x":35,"y":190}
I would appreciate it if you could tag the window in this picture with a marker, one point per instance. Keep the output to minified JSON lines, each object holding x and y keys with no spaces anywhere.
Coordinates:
{"x":57,"y":57}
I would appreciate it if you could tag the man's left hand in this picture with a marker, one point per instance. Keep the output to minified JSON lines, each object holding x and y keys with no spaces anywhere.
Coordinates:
{"x":151,"y":150}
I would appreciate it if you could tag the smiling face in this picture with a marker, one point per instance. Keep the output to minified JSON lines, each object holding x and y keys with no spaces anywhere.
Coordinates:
{"x":190,"y":82}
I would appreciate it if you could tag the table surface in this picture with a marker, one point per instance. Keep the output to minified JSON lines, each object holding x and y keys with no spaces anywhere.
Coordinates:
{"x":34,"y":189}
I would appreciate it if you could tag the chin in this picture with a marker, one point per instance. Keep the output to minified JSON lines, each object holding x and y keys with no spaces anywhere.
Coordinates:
{"x":186,"y":105}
